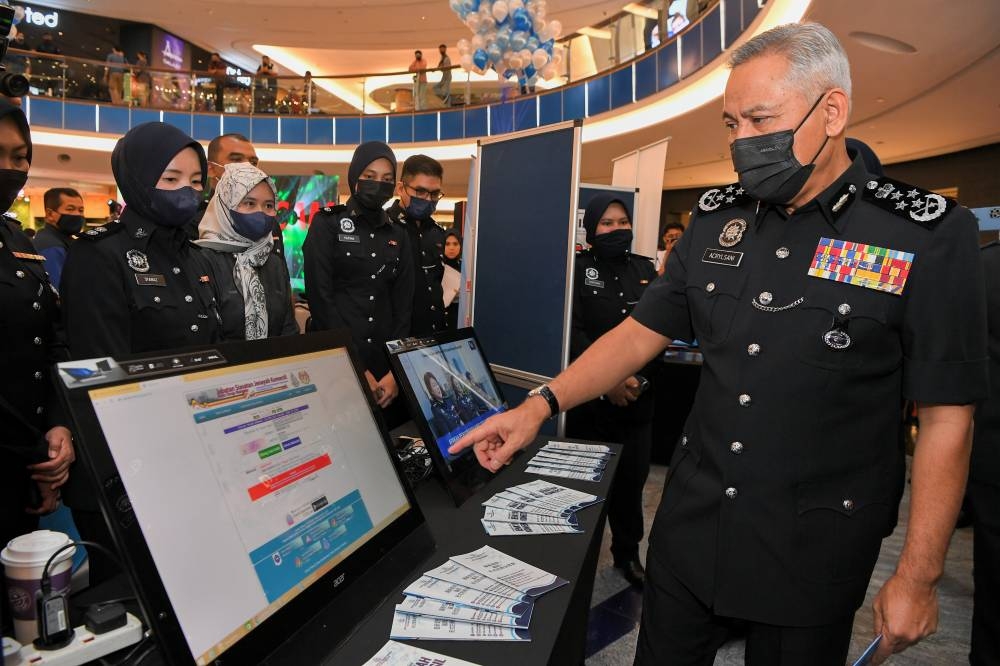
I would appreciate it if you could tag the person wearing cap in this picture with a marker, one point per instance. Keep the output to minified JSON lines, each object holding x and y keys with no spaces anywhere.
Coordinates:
{"x":358,"y":267}
{"x":608,"y":282}
{"x":137,"y":284}
{"x":36,"y":450}
{"x":250,"y":276}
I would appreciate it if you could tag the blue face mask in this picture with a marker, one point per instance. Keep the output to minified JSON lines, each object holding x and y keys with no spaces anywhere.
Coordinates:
{"x":252,"y":226}
{"x":420,"y":209}
{"x":174,"y":208}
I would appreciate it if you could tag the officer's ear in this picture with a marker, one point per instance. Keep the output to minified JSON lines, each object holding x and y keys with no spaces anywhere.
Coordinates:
{"x":837,"y":107}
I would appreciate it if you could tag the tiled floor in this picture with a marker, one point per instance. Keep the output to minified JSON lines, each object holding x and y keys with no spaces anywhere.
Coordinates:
{"x":614,"y":616}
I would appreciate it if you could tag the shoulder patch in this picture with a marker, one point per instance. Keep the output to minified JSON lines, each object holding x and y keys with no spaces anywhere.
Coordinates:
{"x":103,"y":231}
{"x":912,"y":203}
{"x":720,"y":198}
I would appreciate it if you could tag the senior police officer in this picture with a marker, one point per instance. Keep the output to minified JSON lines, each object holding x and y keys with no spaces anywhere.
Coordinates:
{"x":419,"y":190}
{"x":822,"y":297}
{"x":359,"y":272}
{"x":608,"y":283}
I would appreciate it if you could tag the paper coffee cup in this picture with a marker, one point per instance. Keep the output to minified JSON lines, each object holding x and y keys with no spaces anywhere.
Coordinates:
{"x":23,"y":560}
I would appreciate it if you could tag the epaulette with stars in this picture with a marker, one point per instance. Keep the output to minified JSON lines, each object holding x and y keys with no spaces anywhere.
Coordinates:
{"x":720,"y":198}
{"x":911,"y":203}
{"x":103,"y":231}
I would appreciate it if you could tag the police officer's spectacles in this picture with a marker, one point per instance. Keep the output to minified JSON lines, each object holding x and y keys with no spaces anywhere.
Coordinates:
{"x":421,"y":193}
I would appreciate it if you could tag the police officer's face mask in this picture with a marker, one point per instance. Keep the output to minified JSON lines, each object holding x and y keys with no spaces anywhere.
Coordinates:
{"x":420,"y":209}
{"x":252,"y":226}
{"x":70,"y":224}
{"x":613,"y":244}
{"x":374,"y":194}
{"x":11,"y":183}
{"x":174,"y":208}
{"x":768,"y":168}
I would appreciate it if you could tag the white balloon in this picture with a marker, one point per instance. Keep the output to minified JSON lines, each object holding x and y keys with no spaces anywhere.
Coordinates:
{"x":540,"y":58}
{"x":18,"y":13}
{"x":463,"y":46}
{"x":525,"y":56}
{"x":500,"y":11}
{"x":466,"y":61}
{"x":550,"y":72}
{"x":477,"y":43}
{"x":556,"y":28}
{"x":472,"y":21}
{"x":515,"y":4}
{"x":515,"y":62}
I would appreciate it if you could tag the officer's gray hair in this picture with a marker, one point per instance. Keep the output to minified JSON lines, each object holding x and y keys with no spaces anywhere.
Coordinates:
{"x":816,"y":60}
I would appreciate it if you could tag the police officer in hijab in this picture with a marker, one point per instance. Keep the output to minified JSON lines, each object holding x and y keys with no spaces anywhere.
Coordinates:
{"x":137,"y":284}
{"x":35,"y":449}
{"x":250,"y":276}
{"x":358,"y":269}
{"x":608,"y":282}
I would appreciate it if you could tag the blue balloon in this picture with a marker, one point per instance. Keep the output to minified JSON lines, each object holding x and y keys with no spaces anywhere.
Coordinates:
{"x":507,"y":73}
{"x":533,"y":44}
{"x":530,"y":71}
{"x":456,"y":6}
{"x":494,"y":52}
{"x":549,"y":46}
{"x":471,"y":5}
{"x":480,"y":58}
{"x":503,"y":37}
{"x":518,"y":40}
{"x":521,"y":19}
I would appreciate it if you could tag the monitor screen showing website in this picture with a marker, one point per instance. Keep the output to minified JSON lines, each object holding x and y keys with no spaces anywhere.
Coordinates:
{"x":249,"y":483}
{"x":453,"y":387}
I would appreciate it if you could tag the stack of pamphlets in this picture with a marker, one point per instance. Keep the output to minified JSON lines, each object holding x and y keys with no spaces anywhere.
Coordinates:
{"x":570,"y":460}
{"x":484,"y":595}
{"x":401,"y":654}
{"x":538,"y":507}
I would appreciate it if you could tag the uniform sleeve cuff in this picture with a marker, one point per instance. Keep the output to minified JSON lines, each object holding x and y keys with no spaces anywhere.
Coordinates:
{"x":946,"y":382}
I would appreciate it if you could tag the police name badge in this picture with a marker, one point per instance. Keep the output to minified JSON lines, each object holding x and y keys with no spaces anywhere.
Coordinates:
{"x":862,"y":265}
{"x":591,"y":276}
{"x":137,"y":261}
{"x":349,"y":238}
{"x":347,"y":225}
{"x":722,"y":257}
{"x":732,"y":232}
{"x":150,"y":280}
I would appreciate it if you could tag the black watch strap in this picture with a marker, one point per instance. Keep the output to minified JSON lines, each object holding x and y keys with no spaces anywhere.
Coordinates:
{"x":545,"y":392}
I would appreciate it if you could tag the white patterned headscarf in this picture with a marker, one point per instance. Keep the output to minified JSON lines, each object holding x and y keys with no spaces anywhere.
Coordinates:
{"x":216,"y":232}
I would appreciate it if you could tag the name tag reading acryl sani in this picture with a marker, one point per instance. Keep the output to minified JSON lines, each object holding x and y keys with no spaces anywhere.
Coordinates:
{"x":722,"y":257}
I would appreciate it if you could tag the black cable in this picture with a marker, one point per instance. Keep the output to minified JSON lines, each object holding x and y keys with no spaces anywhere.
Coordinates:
{"x":46,"y":583}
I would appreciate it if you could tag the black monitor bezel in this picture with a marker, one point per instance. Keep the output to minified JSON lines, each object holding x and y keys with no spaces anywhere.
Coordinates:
{"x":269,"y":635}
{"x":463,"y":476}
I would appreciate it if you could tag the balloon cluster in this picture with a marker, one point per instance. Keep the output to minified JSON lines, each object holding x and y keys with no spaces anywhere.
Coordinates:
{"x":510,"y":36}
{"x":18,"y":17}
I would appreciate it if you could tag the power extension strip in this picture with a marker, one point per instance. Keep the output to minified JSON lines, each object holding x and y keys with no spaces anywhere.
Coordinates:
{"x":85,"y":647}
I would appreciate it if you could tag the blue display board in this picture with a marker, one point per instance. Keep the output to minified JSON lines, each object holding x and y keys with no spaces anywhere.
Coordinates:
{"x":524,"y":243}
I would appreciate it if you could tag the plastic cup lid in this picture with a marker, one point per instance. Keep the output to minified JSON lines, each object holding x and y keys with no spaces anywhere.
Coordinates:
{"x":35,"y":548}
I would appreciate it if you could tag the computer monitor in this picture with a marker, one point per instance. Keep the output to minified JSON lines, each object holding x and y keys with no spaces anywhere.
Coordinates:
{"x":247,"y":486}
{"x":451,"y":390}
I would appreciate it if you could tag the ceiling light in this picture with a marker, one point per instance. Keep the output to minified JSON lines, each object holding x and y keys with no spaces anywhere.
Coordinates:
{"x":883,"y":43}
{"x":596,"y":33}
{"x":640,"y":10}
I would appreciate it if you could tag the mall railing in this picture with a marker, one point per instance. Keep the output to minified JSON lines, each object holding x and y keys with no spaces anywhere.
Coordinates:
{"x":345,"y":110}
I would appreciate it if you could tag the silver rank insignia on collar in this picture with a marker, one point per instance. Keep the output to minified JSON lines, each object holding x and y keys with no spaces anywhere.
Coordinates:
{"x":140,"y":233}
{"x":137,"y":261}
{"x":732,"y":232}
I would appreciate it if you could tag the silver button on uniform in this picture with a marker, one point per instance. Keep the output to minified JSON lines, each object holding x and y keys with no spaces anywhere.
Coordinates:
{"x":844,"y":309}
{"x":194,"y":327}
{"x":19,"y":274}
{"x":736,"y":448}
{"x":37,"y":341}
{"x":782,"y":253}
{"x":848,"y":505}
{"x":753,"y":349}
{"x":765,"y":298}
{"x":156,"y":299}
{"x":710,"y":287}
{"x":36,"y":305}
{"x":731,"y":492}
{"x":39,"y":410}
{"x":38,"y":375}
{"x":684,"y":440}
{"x":177,"y":271}
{"x":188,"y":299}
{"x":745,"y":400}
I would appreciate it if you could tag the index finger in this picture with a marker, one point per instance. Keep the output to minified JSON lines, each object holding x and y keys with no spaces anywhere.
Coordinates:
{"x":468,"y":439}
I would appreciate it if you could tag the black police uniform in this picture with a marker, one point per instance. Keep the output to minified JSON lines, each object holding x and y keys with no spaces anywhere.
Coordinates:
{"x":52,"y":244}
{"x":359,"y":275}
{"x":789,"y":471}
{"x":29,"y":406}
{"x":277,"y":293}
{"x":426,"y":240}
{"x":984,"y":487}
{"x":132,"y":286}
{"x":604,"y":294}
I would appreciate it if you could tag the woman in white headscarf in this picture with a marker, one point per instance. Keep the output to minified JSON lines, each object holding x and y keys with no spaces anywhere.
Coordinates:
{"x":250,"y":278}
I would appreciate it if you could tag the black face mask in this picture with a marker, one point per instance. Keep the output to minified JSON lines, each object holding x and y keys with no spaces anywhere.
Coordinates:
{"x":174,"y":208}
{"x":767,"y":166}
{"x":70,"y":224}
{"x":374,"y":194}
{"x":612,"y":245}
{"x":11,"y":183}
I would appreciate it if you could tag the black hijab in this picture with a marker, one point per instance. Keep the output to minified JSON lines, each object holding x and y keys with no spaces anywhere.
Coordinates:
{"x":17,"y":115}
{"x":455,"y":263}
{"x":364,"y":155}
{"x":595,"y":211}
{"x":141,"y":156}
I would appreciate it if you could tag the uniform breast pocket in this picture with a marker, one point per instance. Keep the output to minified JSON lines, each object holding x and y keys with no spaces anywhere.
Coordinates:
{"x":713,"y":302}
{"x":391,"y":255}
{"x":153,"y":304}
{"x":843,"y":327}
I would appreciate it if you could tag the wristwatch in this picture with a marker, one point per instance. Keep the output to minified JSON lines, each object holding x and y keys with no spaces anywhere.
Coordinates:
{"x":550,"y":397}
